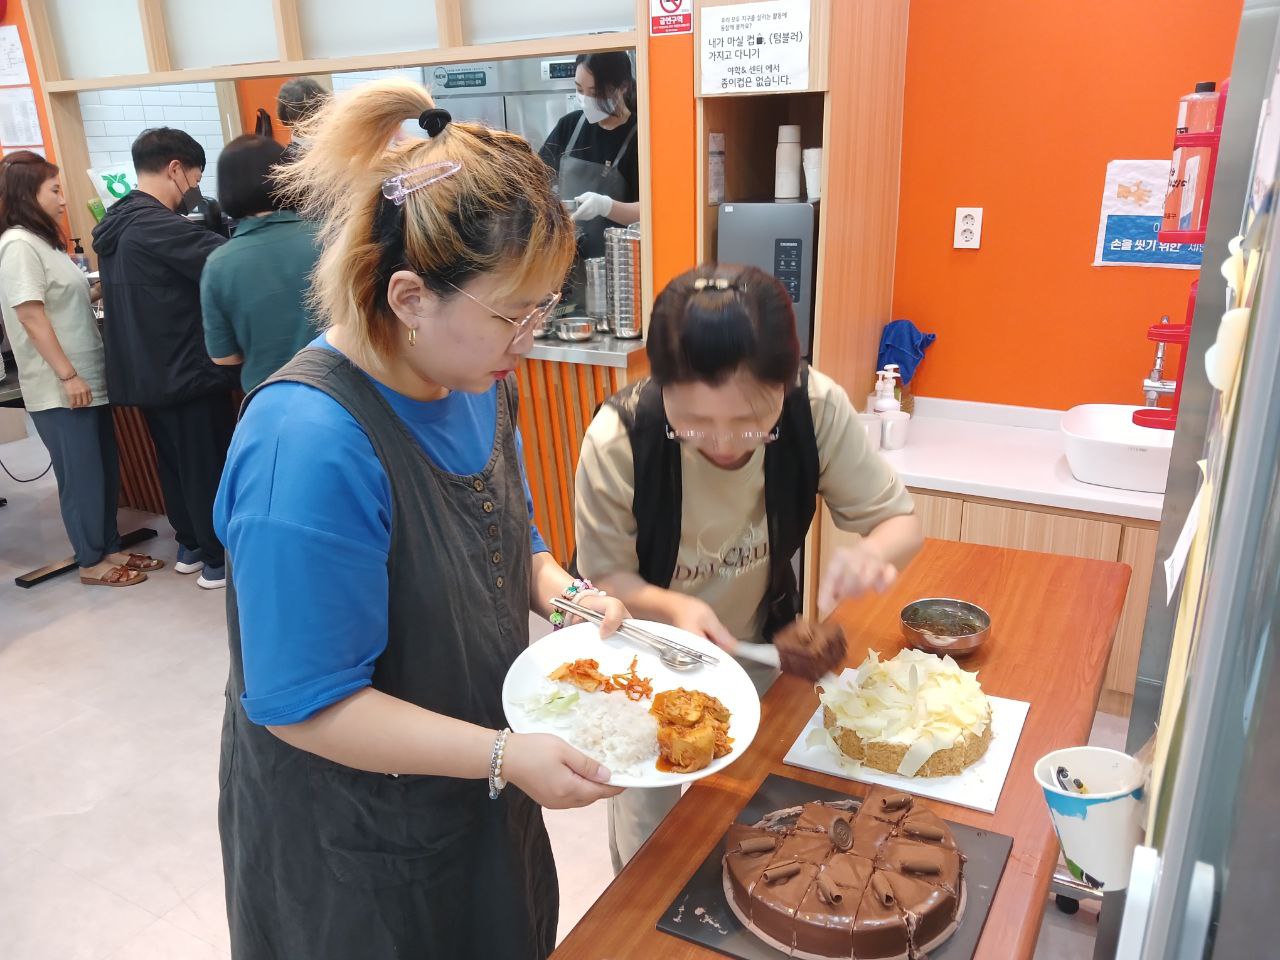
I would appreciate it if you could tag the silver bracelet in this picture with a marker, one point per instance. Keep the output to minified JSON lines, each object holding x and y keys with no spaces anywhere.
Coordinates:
{"x":496,"y":783}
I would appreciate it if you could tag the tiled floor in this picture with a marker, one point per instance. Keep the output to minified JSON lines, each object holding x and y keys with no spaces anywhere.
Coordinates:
{"x":110,"y":705}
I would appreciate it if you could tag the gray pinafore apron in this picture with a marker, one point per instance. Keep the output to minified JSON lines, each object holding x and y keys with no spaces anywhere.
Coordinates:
{"x":578,"y":176}
{"x":324,"y":862}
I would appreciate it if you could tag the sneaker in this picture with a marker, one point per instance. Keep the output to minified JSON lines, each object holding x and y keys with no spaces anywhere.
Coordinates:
{"x":189,"y":561}
{"x":213,"y":578}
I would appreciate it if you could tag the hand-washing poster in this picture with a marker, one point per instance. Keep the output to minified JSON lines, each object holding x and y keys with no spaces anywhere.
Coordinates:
{"x":1132,"y":205}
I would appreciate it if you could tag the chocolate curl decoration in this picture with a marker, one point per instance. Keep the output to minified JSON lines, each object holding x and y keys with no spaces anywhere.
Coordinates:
{"x":922,"y":831}
{"x":827,"y":891}
{"x":757,"y":845}
{"x":841,"y":834}
{"x":896,"y":801}
{"x":924,"y":868}
{"x":880,"y":887}
{"x":784,"y":872}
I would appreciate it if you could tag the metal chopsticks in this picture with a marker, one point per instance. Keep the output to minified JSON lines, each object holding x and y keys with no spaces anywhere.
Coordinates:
{"x":629,"y":629}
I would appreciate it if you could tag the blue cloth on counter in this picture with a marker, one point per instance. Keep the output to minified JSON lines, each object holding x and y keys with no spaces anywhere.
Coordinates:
{"x":305,"y":511}
{"x":901,"y":342}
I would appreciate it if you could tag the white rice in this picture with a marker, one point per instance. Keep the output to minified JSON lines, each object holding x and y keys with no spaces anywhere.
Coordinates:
{"x":612,"y":730}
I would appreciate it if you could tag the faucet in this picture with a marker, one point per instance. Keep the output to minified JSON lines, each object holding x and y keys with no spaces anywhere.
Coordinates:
{"x":1154,"y":384}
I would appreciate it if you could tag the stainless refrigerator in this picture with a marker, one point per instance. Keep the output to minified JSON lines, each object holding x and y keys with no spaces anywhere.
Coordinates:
{"x":1207,"y":883}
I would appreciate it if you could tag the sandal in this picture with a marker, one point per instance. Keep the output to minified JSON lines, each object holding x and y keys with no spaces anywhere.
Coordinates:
{"x":140,"y":561}
{"x":120,"y":576}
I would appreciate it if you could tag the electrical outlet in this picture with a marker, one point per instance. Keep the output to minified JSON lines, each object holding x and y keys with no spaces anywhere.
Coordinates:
{"x":968,"y":235}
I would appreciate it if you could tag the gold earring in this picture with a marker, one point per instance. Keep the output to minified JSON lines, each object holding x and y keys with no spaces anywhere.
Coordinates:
{"x":413,"y":336}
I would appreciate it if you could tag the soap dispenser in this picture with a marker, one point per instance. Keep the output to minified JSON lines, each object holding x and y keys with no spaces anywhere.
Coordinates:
{"x":886,"y":401}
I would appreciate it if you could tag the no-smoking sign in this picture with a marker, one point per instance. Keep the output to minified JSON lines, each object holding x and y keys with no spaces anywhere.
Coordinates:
{"x":670,"y":16}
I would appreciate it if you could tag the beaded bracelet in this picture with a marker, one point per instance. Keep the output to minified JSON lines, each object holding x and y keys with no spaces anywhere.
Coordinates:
{"x":496,"y":783}
{"x":576,"y":589}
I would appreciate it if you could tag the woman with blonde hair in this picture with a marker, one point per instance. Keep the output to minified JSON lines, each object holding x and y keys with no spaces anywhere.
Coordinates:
{"x":384,"y":563}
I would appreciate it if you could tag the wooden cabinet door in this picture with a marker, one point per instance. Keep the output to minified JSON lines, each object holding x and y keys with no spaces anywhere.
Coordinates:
{"x":940,"y":516}
{"x":1138,"y":550}
{"x":994,"y":526}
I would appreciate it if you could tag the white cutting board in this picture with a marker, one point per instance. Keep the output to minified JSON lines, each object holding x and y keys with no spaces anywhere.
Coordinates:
{"x":977,"y":787}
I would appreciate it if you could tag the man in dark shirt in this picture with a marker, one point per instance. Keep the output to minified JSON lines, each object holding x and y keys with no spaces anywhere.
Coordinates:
{"x":151,"y":257}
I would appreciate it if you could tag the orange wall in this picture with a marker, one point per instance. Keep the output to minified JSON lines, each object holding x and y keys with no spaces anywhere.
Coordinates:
{"x":673,"y":149}
{"x":14,"y":17}
{"x":1016,"y":107}
{"x":261,"y":92}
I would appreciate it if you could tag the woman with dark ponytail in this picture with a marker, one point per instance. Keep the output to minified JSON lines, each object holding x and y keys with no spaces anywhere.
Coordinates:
{"x":593,"y":150}
{"x":384,"y":563}
{"x":697,"y":486}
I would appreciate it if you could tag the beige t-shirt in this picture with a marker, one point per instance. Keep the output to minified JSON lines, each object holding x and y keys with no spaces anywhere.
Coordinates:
{"x":724,"y":537}
{"x":30,"y":270}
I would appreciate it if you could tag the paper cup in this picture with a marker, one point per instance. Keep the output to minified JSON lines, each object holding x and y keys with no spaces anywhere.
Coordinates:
{"x":1100,"y":829}
{"x":893,"y":426}
{"x":871,"y":423}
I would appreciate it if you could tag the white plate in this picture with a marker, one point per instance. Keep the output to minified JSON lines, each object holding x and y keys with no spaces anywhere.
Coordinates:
{"x":727,"y":681}
{"x":977,"y":787}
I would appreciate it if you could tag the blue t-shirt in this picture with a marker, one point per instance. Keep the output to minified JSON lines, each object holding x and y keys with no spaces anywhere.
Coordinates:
{"x":305,"y":512}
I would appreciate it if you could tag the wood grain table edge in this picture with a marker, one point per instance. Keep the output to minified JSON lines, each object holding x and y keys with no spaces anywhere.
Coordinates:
{"x":622,"y":923}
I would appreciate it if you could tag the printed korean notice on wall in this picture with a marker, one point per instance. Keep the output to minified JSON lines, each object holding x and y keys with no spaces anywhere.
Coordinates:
{"x":754,"y":47}
{"x":1132,"y":205}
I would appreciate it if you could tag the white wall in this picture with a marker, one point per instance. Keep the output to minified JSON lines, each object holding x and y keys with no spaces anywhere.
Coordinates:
{"x":114,"y":118}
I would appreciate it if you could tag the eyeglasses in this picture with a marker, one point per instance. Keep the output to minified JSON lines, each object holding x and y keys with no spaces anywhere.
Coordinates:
{"x":753,"y":437}
{"x":533,"y":317}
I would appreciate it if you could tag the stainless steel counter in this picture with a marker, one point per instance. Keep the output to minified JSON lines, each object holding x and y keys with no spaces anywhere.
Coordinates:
{"x":600,"y":352}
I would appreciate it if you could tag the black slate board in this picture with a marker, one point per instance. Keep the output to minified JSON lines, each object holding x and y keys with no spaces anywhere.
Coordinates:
{"x":719,"y":929}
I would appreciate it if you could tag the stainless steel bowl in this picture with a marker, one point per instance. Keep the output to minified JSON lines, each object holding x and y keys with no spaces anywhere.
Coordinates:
{"x":944,"y":626}
{"x":576,"y":329}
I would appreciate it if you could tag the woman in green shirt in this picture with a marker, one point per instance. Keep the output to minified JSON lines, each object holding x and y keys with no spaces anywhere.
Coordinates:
{"x":48,"y":314}
{"x":253,"y":292}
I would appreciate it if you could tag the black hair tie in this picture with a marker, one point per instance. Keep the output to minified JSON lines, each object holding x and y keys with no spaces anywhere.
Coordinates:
{"x":434,"y":121}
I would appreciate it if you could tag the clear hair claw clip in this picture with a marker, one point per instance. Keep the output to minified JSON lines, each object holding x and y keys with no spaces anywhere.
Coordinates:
{"x":397,"y":188}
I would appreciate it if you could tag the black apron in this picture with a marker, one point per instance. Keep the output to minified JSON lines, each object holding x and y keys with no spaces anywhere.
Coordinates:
{"x":578,"y":176}
{"x":324,"y":862}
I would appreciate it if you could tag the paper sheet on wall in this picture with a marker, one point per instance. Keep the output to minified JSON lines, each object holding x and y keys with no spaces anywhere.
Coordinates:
{"x":13,"y":62}
{"x":34,"y":148}
{"x":1132,"y":206}
{"x":754,"y":47}
{"x":19,"y":121}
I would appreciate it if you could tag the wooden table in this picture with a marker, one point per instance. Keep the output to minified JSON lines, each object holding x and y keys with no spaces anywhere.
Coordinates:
{"x":1054,"y":620}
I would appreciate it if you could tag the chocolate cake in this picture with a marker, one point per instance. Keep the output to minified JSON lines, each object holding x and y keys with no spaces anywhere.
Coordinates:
{"x":810,"y":650}
{"x":871,"y":882}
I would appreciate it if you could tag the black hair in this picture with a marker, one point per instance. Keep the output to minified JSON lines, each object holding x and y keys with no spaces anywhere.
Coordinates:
{"x":245,"y":175}
{"x":612,"y":73}
{"x":299,"y":98}
{"x":715,"y":320}
{"x":156,"y":148}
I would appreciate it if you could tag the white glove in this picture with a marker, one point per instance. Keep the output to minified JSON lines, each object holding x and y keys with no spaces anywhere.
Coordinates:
{"x":592,"y":205}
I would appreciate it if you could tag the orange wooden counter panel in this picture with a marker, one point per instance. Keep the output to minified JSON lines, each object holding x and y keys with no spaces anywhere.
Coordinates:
{"x":1053,"y":622}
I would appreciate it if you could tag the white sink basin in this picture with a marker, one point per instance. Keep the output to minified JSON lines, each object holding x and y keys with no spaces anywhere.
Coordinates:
{"x":1105,"y":447}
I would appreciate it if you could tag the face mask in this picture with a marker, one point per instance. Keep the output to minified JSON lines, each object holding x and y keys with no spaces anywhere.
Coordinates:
{"x":596,"y":110}
{"x":190,"y":200}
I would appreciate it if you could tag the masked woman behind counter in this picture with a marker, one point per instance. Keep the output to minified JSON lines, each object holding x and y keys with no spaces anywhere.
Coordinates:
{"x":384,"y":563}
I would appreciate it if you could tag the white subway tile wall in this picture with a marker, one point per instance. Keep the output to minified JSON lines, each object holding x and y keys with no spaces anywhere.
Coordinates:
{"x":343,"y":82}
{"x":114,"y":118}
